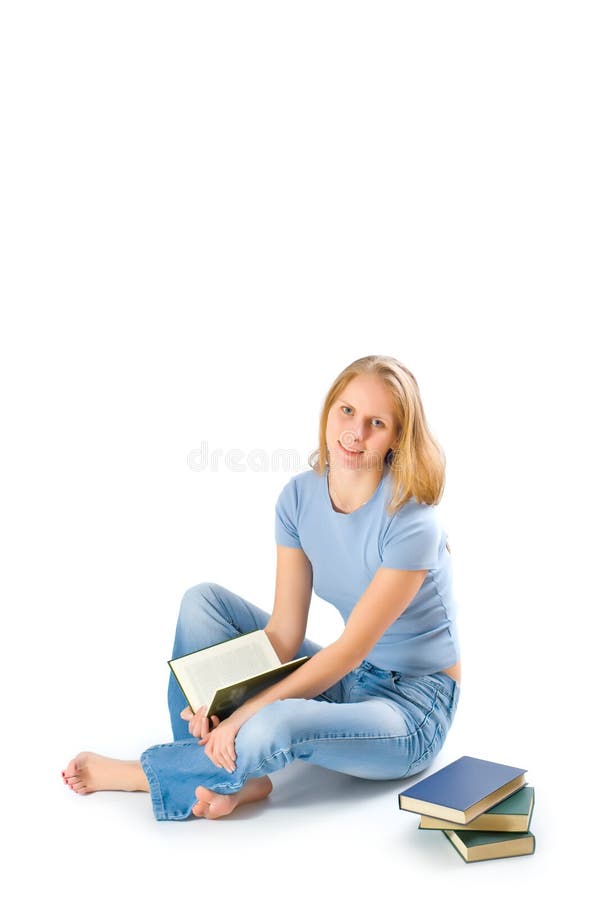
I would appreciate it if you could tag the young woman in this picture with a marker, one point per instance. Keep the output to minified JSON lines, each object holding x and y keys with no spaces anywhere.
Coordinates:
{"x":361,"y":529}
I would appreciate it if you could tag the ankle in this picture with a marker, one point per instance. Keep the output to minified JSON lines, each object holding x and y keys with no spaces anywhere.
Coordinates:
{"x":137,"y":778}
{"x":134,"y":778}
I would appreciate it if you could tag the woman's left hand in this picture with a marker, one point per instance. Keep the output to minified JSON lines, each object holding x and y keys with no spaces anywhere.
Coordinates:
{"x":219,"y":744}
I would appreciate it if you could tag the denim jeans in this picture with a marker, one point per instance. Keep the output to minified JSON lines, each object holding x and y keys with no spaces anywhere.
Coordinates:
{"x":372,"y":724}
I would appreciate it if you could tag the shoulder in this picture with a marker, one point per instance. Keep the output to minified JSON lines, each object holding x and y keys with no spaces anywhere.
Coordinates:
{"x":300,"y":485}
{"x":414,"y":517}
{"x":292,"y":501}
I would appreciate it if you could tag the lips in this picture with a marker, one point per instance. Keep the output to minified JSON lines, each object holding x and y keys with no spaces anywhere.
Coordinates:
{"x":350,"y":452}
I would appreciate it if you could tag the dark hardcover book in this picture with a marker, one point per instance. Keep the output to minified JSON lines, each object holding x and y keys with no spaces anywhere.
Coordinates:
{"x":462,"y":790}
{"x":229,"y":698}
{"x":512,"y":814}
{"x":474,"y":846}
{"x":227,"y":674}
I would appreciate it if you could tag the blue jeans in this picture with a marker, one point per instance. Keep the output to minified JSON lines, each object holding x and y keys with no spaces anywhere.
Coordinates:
{"x":372,"y":724}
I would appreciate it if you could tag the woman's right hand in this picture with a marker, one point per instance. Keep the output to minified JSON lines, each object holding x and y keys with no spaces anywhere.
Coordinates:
{"x":198,"y":723}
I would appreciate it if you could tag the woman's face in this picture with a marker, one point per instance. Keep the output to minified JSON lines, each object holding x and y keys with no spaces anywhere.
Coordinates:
{"x":361,"y":419}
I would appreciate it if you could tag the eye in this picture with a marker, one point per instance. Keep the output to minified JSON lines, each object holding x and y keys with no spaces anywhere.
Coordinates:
{"x":380,"y":425}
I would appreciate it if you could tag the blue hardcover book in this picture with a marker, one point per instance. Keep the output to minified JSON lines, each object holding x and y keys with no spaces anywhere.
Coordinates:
{"x":462,"y":790}
{"x":510,"y":815}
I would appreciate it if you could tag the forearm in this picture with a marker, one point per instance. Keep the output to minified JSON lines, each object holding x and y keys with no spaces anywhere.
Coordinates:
{"x":321,"y":671}
{"x":283,"y":648}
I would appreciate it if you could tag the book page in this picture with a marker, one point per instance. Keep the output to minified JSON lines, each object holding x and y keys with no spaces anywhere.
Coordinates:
{"x":229,"y":698}
{"x":202,"y":673}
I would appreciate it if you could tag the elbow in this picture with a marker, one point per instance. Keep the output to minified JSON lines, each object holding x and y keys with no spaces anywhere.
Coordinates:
{"x":286,"y":649}
{"x":351,"y":655}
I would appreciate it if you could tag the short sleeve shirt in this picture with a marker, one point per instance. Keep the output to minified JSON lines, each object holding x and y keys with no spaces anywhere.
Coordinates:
{"x":346,"y":549}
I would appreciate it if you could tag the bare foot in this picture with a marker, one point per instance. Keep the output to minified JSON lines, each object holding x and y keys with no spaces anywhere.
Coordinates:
{"x":88,"y":772}
{"x":212,"y":805}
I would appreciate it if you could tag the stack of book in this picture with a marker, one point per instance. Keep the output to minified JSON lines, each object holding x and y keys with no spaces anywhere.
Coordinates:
{"x":483,"y":808}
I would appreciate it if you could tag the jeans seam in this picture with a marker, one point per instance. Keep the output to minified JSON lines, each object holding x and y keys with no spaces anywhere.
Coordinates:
{"x":428,"y":713}
{"x":249,"y":772}
{"x":221,"y":602}
{"x":448,"y":693}
{"x":155,"y":787}
{"x":354,"y":737}
{"x":438,"y":731}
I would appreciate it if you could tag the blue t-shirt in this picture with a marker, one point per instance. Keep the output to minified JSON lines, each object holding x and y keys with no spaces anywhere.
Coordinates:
{"x":346,"y":549}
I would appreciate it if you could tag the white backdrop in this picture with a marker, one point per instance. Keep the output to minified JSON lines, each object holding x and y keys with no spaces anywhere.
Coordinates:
{"x":208,"y":211}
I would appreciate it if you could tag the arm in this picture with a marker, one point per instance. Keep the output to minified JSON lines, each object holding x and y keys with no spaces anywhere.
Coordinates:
{"x":285,"y":628}
{"x":288,"y":622}
{"x":387,"y":596}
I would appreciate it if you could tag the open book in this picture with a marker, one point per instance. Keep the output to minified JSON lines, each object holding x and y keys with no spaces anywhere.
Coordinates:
{"x":226,"y":675}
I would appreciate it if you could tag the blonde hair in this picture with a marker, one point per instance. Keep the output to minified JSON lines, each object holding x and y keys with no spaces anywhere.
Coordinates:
{"x":417,"y":461}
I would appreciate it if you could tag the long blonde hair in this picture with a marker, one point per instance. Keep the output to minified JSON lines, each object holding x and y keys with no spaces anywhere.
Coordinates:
{"x":417,"y":461}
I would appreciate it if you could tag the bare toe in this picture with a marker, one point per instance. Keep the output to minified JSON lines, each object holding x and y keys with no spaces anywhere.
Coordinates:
{"x":199,"y":809}
{"x":75,"y":765}
{"x":88,"y":772}
{"x":204,"y":794}
{"x":214,"y":805}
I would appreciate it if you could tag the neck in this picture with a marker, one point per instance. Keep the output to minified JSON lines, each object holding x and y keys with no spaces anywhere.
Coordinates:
{"x":352,"y":489}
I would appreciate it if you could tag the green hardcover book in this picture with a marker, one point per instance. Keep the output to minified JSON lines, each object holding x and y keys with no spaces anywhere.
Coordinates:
{"x":474,"y":846}
{"x":227,"y":674}
{"x":512,"y":814}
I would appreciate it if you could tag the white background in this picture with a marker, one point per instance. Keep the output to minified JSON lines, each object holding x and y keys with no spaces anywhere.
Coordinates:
{"x":208,"y":210}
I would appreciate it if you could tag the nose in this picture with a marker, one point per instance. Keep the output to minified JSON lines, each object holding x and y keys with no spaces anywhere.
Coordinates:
{"x":360,"y":433}
{"x":353,"y":437}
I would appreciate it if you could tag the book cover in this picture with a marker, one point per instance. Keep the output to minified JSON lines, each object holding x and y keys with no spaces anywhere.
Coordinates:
{"x":474,"y":846}
{"x":512,"y":814}
{"x":225,"y":675}
{"x":462,"y":790}
{"x":230,"y":697}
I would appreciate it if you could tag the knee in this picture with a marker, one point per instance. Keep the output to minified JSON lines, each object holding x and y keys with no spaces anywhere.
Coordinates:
{"x":272,"y":728}
{"x":197,"y":599}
